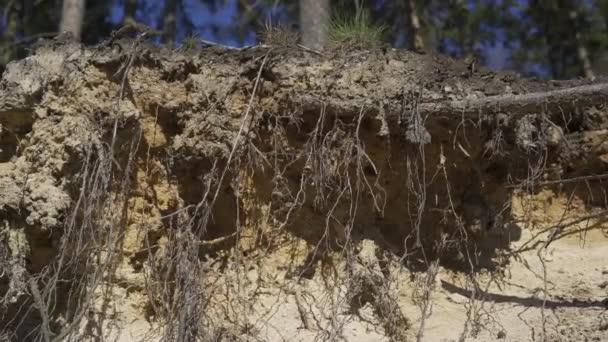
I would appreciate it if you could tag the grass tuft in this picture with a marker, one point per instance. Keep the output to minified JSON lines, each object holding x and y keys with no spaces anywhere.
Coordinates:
{"x":191,"y":42}
{"x":356,"y":32}
{"x":278,"y":35}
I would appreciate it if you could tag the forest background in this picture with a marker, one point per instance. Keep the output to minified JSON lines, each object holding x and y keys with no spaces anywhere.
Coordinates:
{"x":550,"y":38}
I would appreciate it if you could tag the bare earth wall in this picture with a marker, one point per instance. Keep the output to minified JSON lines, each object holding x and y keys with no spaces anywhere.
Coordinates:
{"x":281,"y":194}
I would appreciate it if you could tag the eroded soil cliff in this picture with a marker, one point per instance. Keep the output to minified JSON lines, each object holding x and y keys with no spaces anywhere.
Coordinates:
{"x":279,"y":194}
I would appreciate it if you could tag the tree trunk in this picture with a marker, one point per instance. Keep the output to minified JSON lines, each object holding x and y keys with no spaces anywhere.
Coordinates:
{"x":314,"y":22}
{"x":581,"y":50}
{"x":130,"y":9}
{"x":583,"y":57}
{"x":72,"y":16}
{"x":464,"y":35}
{"x":169,"y":22}
{"x":9,"y":35}
{"x":414,"y":27}
{"x":12,"y":22}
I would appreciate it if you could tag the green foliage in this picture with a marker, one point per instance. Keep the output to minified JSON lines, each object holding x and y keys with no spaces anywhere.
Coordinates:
{"x":191,"y":42}
{"x":356,"y":31}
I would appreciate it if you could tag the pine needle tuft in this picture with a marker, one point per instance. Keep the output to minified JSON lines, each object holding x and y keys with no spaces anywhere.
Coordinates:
{"x":278,"y":35}
{"x":356,"y":32}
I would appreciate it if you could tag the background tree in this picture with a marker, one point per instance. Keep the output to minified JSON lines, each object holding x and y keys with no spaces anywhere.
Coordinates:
{"x":170,"y":22}
{"x":12,"y":14}
{"x":130,"y":6}
{"x":72,"y":16}
{"x":558,"y":38}
{"x":414,"y":29}
{"x":404,"y":20}
{"x":22,"y":22}
{"x":314,"y":22}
